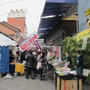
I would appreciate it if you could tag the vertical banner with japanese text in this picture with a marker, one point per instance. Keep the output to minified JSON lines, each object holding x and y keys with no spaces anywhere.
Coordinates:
{"x":58,"y":52}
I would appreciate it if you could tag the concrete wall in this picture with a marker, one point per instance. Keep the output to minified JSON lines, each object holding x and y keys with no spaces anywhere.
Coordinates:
{"x":55,"y":36}
{"x":83,"y":5}
{"x":67,"y":28}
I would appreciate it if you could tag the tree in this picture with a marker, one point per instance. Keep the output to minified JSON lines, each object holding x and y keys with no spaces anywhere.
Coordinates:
{"x":71,"y":45}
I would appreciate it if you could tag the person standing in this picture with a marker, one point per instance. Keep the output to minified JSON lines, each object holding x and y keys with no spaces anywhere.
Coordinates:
{"x":30,"y":65}
{"x":48,"y":54}
{"x":17,"y":57}
{"x":79,"y":64}
{"x":35,"y":56}
{"x":68,"y":60}
{"x":11,"y":63}
{"x":23,"y":56}
{"x":42,"y":60}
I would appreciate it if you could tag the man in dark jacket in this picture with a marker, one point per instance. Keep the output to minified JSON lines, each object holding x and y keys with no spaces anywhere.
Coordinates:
{"x":23,"y":56}
{"x":79,"y":63}
{"x":30,"y":65}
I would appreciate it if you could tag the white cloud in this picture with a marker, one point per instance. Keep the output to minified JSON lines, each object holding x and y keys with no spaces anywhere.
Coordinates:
{"x":33,"y":9}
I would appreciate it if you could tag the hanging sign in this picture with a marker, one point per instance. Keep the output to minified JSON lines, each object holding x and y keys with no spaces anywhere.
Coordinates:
{"x":84,"y":43}
{"x":83,"y":34}
{"x":25,"y":45}
{"x":36,"y":44}
{"x":57,"y":51}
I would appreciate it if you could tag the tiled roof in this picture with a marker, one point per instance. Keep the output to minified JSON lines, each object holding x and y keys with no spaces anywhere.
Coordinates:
{"x":10,"y":26}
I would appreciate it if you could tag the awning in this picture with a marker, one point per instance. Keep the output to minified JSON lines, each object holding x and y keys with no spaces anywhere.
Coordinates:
{"x":52,"y":14}
{"x":6,"y":41}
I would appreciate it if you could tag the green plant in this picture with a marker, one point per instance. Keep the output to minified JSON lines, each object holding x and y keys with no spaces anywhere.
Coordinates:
{"x":71,"y":45}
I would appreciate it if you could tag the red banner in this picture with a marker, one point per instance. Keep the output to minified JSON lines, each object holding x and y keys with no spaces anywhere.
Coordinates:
{"x":25,"y":45}
{"x":57,"y":51}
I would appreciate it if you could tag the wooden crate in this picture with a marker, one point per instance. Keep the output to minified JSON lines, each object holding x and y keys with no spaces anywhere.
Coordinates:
{"x":68,"y":84}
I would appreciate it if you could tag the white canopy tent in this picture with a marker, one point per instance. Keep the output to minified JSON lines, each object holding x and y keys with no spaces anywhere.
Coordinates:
{"x":6,"y":41}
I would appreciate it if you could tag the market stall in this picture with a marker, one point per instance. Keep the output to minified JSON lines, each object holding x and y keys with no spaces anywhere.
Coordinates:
{"x":67,"y":82}
{"x":5,"y":42}
{"x":53,"y":66}
{"x":64,"y":77}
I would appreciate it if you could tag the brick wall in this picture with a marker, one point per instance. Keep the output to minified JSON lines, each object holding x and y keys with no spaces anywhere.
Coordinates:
{"x":6,"y":30}
{"x":19,"y":22}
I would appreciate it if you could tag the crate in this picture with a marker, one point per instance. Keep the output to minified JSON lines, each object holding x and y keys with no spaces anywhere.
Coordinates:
{"x":68,"y":84}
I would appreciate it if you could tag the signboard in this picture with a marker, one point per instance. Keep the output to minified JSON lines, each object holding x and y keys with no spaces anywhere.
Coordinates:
{"x":83,"y":34}
{"x":58,"y":52}
{"x":84,"y":43}
{"x":25,"y":45}
{"x":34,"y":45}
{"x":37,"y":46}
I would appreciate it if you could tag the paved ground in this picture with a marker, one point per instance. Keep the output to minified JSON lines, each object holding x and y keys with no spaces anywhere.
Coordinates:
{"x":20,"y":83}
{"x":86,"y":87}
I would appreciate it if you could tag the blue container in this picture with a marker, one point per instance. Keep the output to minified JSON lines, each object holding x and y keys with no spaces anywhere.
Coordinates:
{"x":4,"y":59}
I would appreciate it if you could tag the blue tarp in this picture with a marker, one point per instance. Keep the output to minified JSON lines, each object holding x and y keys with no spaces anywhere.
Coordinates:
{"x":4,"y":59}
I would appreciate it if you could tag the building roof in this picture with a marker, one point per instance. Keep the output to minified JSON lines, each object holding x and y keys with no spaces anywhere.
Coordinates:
{"x":11,"y":26}
{"x":7,"y":30}
{"x":6,"y":41}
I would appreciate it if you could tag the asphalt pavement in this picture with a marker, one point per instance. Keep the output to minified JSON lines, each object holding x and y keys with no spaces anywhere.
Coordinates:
{"x":20,"y":83}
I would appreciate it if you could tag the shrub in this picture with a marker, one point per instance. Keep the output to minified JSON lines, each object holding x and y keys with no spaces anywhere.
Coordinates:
{"x":71,"y":45}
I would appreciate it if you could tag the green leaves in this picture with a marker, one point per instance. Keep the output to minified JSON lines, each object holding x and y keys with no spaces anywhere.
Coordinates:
{"x":71,"y":45}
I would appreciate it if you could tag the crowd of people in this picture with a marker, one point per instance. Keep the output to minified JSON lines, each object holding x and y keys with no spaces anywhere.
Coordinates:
{"x":34,"y":61}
